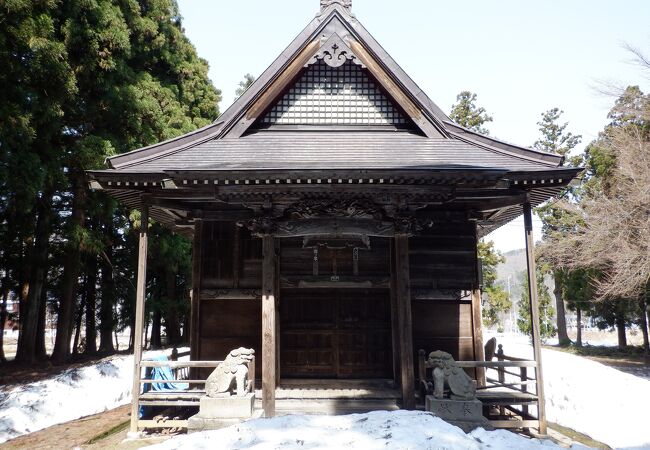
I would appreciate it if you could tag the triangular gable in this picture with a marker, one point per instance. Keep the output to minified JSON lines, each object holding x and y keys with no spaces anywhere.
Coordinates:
{"x":333,"y":38}
{"x":335,"y":94}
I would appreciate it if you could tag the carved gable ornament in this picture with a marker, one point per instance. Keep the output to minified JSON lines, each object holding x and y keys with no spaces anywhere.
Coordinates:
{"x":335,"y":52}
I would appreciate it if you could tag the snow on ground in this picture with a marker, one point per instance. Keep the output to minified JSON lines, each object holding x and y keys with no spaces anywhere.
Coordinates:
{"x":607,"y":404}
{"x":589,"y":397}
{"x":376,"y":430}
{"x":75,"y":393}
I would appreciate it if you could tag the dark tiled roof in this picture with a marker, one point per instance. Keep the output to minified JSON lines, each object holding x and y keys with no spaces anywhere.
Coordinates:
{"x":334,"y":19}
{"x":273,"y":150}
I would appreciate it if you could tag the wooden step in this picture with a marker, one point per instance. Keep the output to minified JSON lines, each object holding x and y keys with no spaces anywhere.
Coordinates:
{"x":332,"y":406}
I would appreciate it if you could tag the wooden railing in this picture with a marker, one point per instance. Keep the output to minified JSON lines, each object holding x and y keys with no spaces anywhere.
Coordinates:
{"x":178,"y":398}
{"x":508,"y":389}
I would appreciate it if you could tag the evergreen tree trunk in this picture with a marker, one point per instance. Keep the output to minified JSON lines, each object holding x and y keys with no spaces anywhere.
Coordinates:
{"x":91,"y":303}
{"x":3,"y":316}
{"x":22,"y":274}
{"x":70,"y":281}
{"x":562,"y":335}
{"x":156,"y":341}
{"x":644,"y":326}
{"x":22,"y":309}
{"x":171,"y":320}
{"x":146,"y":333}
{"x":620,"y":328}
{"x":132,"y":332}
{"x":41,"y":350}
{"x":38,"y":262}
{"x":106,"y":320}
{"x":77,"y":329}
{"x":579,"y":324}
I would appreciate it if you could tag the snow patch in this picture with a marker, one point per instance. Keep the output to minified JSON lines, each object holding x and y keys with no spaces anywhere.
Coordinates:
{"x":604,"y":403}
{"x":370,"y":431}
{"x":74,"y":393}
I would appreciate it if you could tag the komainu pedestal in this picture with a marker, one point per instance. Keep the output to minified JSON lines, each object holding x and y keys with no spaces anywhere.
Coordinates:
{"x":465,"y":414}
{"x":454,"y":394}
{"x":227,"y":407}
{"x":221,"y":412}
{"x":229,"y":395}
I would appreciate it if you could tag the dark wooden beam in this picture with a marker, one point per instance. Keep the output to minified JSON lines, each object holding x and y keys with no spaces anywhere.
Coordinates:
{"x":493,"y":204}
{"x":534,"y":314}
{"x":404,"y":319}
{"x":141,"y":292}
{"x":269,"y":329}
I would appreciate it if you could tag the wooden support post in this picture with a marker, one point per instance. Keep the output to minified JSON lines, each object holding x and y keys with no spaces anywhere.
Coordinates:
{"x":278,"y":368}
{"x":477,"y":317}
{"x":269,"y":337}
{"x":477,"y":331}
{"x":534,"y":314}
{"x":141,"y":289}
{"x":394,"y":322}
{"x":404,"y":319}
{"x":195,"y":323}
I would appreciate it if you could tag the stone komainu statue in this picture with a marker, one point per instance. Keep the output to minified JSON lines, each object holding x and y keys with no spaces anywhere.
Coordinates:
{"x":231,"y":376}
{"x":446,"y":373}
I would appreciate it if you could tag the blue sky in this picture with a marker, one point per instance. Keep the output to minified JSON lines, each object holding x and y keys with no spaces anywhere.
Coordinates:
{"x":520,"y":57}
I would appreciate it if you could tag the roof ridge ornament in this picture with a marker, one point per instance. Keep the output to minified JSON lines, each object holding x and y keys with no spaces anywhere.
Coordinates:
{"x":324,"y":4}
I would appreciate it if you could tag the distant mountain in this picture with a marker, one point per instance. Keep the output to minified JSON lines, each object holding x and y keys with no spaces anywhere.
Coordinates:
{"x":513,"y":271}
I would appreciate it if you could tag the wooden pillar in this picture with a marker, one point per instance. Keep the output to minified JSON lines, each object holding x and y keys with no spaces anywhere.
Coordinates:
{"x":141,"y":288}
{"x":477,"y":332}
{"x":195,"y":323}
{"x":534,"y":314}
{"x":394,"y":322}
{"x":404,"y":320}
{"x":278,"y":369}
{"x":269,"y":337}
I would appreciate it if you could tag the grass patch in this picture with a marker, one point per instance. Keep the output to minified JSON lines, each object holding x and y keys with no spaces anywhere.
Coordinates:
{"x":111,"y":431}
{"x":578,"y":437}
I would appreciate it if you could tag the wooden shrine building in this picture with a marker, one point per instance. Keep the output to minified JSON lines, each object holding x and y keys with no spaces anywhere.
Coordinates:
{"x":335,"y":212}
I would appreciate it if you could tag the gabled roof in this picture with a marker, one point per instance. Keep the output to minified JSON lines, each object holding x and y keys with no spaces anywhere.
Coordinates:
{"x":440,"y":141}
{"x":236,"y":153}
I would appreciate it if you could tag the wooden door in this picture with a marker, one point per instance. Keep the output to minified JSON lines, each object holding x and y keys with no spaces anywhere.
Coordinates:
{"x":335,"y":333}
